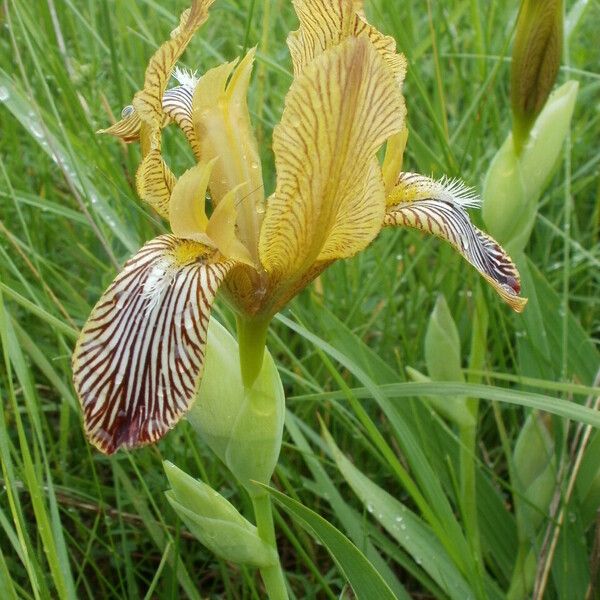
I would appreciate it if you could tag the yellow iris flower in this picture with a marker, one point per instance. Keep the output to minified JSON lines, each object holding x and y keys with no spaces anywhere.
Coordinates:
{"x":139,"y":358}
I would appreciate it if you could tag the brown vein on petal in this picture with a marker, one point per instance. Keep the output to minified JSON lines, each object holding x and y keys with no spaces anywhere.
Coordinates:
{"x":450,"y":222}
{"x":139,"y":358}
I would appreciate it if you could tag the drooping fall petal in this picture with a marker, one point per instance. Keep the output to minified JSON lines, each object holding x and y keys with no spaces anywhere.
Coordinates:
{"x":439,"y":209}
{"x":139,"y":358}
{"x":177,"y":105}
{"x":329,"y":200}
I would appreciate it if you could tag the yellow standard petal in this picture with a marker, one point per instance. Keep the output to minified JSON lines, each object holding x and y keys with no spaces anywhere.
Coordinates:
{"x":326,"y":23}
{"x":148,"y":101}
{"x":154,"y":179}
{"x":438,"y":208}
{"x":138,"y":361}
{"x":329,"y":200}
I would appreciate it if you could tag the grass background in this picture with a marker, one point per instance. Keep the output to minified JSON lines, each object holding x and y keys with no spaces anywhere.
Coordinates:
{"x":74,"y":523}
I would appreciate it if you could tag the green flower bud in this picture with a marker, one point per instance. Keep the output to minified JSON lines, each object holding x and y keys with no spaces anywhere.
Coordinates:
{"x":242,"y":426}
{"x":442,"y":344}
{"x":215,"y":522}
{"x":535,"y":475}
{"x":514,"y":183}
{"x":442,"y":355}
{"x":535,"y":62}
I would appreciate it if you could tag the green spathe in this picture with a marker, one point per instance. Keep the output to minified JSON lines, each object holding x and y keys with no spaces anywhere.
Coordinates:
{"x":535,"y":62}
{"x":514,"y":183}
{"x":242,"y":425}
{"x":215,"y":522}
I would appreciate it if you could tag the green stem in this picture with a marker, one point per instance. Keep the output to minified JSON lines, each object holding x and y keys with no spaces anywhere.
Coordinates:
{"x":252,"y":337}
{"x":272,"y":576}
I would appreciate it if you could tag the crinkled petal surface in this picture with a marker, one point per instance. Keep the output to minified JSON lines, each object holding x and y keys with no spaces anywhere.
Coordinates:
{"x":447,"y":219}
{"x":138,"y":361}
{"x":148,"y":101}
{"x":155,"y":181}
{"x":326,"y":23}
{"x":329,"y":201}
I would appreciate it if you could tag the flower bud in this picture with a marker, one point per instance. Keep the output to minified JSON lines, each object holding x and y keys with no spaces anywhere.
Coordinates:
{"x":242,"y":426}
{"x":514,"y":183}
{"x":215,"y":522}
{"x":535,"y":61}
{"x":442,"y":344}
{"x":535,"y":474}
{"x":442,"y":355}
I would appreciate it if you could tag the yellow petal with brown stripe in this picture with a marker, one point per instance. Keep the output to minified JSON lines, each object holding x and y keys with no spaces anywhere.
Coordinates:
{"x":148,"y":101}
{"x":177,"y":105}
{"x":326,"y":23}
{"x":439,"y":209}
{"x":155,"y":182}
{"x":128,"y":128}
{"x":138,"y":361}
{"x":329,"y":201}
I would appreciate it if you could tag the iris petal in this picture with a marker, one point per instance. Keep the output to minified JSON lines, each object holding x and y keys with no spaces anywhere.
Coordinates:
{"x":329,"y":201}
{"x":439,"y":209}
{"x":139,"y":358}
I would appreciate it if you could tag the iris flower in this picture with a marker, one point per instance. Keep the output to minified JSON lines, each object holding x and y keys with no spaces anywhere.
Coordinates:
{"x":138,"y":361}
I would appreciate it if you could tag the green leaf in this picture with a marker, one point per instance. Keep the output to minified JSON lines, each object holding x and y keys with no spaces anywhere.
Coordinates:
{"x":404,"y":526}
{"x":366,"y":582}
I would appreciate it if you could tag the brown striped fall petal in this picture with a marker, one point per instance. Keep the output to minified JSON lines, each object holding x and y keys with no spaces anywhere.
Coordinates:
{"x":148,"y":101}
{"x":438,"y":208}
{"x":329,"y":200}
{"x":139,"y":358}
{"x":177,"y":105}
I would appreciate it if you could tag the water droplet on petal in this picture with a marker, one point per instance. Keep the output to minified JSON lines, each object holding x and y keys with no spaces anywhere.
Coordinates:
{"x":127,"y":111}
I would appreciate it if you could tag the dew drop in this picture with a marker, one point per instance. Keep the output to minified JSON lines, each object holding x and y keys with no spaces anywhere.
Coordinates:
{"x":369,"y":507}
{"x":260,"y":209}
{"x":4,"y":94}
{"x":35,"y":128}
{"x":127,"y":111}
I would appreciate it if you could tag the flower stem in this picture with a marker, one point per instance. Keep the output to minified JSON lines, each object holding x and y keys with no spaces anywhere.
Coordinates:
{"x":272,"y":576}
{"x":252,"y":336}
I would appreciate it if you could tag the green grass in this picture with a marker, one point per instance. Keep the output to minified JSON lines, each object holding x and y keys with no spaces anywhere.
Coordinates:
{"x":76,"y":524}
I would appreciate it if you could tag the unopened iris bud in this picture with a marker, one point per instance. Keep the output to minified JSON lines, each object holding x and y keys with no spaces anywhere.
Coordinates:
{"x":243,"y":426}
{"x":535,"y":474}
{"x":442,"y":355}
{"x":215,"y":522}
{"x":514,"y":183}
{"x":442,"y":344}
{"x":535,"y":62}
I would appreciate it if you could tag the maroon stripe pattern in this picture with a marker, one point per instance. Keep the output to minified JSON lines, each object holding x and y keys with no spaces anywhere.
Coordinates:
{"x":450,"y":222}
{"x":139,"y":358}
